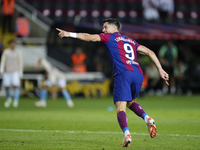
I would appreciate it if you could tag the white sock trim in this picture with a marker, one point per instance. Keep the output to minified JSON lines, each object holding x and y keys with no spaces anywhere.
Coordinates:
{"x":126,"y":133}
{"x":146,"y":118}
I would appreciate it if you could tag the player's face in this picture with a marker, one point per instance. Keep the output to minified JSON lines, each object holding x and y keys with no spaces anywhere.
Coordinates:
{"x":12,"y":45}
{"x":108,"y":28}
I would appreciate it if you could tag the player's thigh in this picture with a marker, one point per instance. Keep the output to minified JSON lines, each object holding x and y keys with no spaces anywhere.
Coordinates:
{"x":61,"y":83}
{"x":137,"y":80}
{"x":122,"y":89}
{"x":7,"y":82}
{"x":15,"y":79}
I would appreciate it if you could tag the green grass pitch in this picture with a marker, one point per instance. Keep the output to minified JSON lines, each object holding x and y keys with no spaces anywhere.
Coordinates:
{"x":90,"y":126}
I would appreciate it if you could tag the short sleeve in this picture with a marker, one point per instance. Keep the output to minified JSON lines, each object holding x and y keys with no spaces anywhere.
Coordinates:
{"x":137,"y":45}
{"x":105,"y":37}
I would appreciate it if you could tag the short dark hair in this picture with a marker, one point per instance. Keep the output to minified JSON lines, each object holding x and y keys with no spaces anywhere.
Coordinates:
{"x":112,"y":21}
{"x":11,"y":41}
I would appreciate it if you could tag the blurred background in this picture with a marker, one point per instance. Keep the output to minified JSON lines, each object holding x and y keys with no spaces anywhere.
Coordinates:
{"x":157,"y":24}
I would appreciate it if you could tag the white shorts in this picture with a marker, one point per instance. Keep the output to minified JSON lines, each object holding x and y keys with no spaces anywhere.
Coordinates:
{"x":11,"y":79}
{"x":60,"y":83}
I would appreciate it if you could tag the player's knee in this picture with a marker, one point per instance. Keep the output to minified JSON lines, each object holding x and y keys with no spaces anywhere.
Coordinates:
{"x":129,"y":103}
{"x":118,"y":110}
{"x":121,"y":106}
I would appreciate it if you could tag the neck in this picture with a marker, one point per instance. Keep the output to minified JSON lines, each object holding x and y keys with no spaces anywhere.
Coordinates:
{"x":115,"y":31}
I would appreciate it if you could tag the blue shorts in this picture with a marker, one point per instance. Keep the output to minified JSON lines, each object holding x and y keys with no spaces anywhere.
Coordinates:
{"x":127,"y":86}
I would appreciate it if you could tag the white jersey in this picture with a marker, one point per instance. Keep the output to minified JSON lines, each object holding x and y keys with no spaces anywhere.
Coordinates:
{"x":166,"y":5}
{"x":53,"y":73}
{"x":11,"y":62}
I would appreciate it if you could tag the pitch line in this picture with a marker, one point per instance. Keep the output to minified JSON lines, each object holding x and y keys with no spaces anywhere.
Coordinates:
{"x":92,"y":132}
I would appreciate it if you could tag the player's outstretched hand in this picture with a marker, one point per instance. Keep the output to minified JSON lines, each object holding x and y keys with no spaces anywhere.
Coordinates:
{"x":164,"y":76}
{"x":62,"y":33}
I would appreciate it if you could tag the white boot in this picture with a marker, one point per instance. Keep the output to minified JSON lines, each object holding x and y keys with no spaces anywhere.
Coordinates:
{"x":40,"y":104}
{"x":8,"y":102}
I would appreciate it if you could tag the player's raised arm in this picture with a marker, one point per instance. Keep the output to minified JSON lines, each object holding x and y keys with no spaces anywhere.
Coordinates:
{"x":82,"y":36}
{"x":145,"y":51}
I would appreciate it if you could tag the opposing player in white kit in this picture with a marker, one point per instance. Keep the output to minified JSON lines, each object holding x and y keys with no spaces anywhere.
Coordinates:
{"x":54,"y":77}
{"x":12,"y":71}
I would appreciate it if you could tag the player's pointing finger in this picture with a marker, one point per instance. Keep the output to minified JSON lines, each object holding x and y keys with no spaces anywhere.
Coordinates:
{"x":58,"y":29}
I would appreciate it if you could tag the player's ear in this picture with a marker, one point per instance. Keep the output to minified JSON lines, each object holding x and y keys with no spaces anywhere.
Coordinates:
{"x":115,"y":27}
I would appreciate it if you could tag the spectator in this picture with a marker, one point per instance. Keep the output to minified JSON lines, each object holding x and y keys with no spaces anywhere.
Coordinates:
{"x":168,"y":55}
{"x":166,"y":9}
{"x":78,"y":60}
{"x":182,"y":77}
{"x":150,"y":11}
{"x":54,"y":77}
{"x":7,"y":11}
{"x":22,"y":27}
{"x":12,"y":70}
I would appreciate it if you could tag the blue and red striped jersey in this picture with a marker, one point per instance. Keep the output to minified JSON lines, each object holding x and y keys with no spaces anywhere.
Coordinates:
{"x":122,"y":52}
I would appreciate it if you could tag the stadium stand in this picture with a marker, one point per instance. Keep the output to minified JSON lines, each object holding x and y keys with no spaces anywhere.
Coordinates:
{"x":128,"y":11}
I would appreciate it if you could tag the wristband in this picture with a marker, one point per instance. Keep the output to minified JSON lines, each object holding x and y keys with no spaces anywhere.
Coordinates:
{"x":72,"y":34}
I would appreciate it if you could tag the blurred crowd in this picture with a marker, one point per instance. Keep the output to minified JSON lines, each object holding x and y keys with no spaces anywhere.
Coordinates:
{"x":175,"y":65}
{"x":154,"y":10}
{"x":176,"y":60}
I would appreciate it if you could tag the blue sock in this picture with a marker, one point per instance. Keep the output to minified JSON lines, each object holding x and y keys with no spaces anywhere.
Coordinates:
{"x":66,"y":95}
{"x":143,"y":116}
{"x":16,"y":94}
{"x":43,"y":95}
{"x":7,"y":93}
